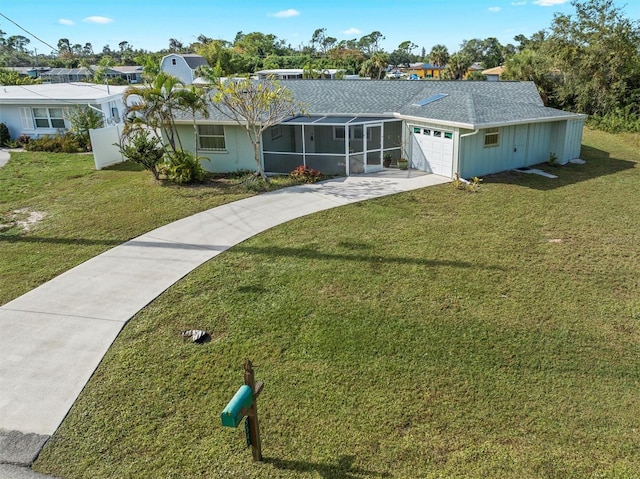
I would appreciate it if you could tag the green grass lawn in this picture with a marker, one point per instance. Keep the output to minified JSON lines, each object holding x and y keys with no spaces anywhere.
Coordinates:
{"x":87,"y":212}
{"x":435,"y":333}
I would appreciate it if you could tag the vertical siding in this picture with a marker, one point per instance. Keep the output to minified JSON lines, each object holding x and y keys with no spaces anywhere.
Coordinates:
{"x":573,"y":140}
{"x":238,"y":156}
{"x":477,"y":160}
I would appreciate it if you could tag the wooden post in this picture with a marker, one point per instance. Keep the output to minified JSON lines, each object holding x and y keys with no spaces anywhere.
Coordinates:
{"x":252,"y":415}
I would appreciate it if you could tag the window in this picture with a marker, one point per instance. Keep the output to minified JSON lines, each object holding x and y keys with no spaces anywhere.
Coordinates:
{"x":437,"y":134}
{"x":355,"y":133}
{"x":211,"y":137}
{"x":426,"y":132}
{"x":491,"y":137}
{"x":448,"y":135}
{"x":48,"y":117}
{"x":173,"y":61}
{"x":276,"y":132}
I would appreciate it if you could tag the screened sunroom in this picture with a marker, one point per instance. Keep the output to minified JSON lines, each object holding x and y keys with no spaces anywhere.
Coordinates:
{"x":336,"y":145}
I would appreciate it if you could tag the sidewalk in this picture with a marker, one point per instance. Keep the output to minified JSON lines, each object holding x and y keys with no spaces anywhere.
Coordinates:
{"x":53,"y":337}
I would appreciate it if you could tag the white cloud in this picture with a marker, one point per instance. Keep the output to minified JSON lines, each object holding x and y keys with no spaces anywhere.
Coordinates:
{"x":285,"y":13}
{"x":518,"y":4}
{"x":64,"y":21}
{"x":96,"y":19}
{"x":352,"y":31}
{"x":549,"y":3}
{"x":494,"y":9}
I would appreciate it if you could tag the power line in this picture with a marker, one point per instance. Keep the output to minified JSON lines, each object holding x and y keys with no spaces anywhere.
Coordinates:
{"x":27,"y":31}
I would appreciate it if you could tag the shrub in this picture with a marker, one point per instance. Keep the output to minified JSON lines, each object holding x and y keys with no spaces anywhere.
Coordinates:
{"x":184,"y":167}
{"x":5,"y":136}
{"x":302,"y":174}
{"x":83,"y":119}
{"x":65,"y":143}
{"x":144,"y":150}
{"x":461,"y":184}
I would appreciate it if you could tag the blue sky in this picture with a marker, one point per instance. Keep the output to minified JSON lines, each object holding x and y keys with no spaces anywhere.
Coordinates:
{"x":150,"y":24}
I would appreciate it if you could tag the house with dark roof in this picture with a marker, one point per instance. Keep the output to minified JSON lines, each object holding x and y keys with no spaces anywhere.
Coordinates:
{"x":442,"y":127}
{"x":182,"y":66}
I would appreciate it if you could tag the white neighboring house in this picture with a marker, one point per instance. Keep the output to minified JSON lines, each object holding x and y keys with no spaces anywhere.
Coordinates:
{"x":182,"y":66}
{"x":38,"y":110}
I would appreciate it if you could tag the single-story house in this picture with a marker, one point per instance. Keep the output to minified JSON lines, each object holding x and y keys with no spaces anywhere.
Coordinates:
{"x":493,"y":74}
{"x":445,"y":127}
{"x":425,"y":70}
{"x":182,"y":66}
{"x":298,"y":73}
{"x":38,"y":110}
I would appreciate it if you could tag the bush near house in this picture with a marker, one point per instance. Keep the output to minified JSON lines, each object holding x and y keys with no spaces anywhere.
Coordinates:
{"x":63,"y":143}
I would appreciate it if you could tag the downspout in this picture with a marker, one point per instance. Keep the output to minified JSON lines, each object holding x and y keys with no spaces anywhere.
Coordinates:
{"x":474,"y":132}
{"x":104,"y":117}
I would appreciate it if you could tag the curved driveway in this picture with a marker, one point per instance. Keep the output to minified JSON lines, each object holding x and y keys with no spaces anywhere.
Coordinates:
{"x":53,"y":337}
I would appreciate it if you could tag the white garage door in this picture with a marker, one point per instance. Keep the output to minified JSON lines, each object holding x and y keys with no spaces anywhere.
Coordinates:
{"x":432,"y":151}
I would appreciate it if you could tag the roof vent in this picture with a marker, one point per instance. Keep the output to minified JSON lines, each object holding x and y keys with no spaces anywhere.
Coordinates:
{"x":430,"y":99}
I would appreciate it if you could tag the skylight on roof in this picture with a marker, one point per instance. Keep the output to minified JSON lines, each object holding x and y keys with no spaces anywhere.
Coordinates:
{"x":430,"y":99}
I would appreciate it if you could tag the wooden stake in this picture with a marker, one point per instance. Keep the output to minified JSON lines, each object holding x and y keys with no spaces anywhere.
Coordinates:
{"x":254,"y":428}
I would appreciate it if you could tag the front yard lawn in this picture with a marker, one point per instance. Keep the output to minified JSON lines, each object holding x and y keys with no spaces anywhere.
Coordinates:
{"x":436,"y":333}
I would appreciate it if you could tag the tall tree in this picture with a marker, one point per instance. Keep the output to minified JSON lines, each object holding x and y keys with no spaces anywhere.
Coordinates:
{"x":255,"y":106}
{"x":596,"y":54}
{"x":375,"y":66}
{"x":439,"y":55}
{"x":153,"y":106}
{"x":458,"y":65}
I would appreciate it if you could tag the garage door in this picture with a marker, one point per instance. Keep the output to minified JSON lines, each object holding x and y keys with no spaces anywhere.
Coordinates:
{"x":432,"y":150}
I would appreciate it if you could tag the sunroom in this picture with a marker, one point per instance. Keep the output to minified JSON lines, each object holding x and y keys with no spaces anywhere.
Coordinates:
{"x":336,"y":145}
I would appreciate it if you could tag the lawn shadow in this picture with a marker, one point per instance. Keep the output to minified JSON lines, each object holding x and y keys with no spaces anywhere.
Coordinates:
{"x":375,"y":259}
{"x":343,"y":469}
{"x":124,"y":166}
{"x":18,"y":238}
{"x":598,"y":163}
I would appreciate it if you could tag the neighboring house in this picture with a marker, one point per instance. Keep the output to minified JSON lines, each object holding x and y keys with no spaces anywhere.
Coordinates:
{"x":129,"y":74}
{"x":493,"y":74}
{"x":446,"y":127}
{"x":182,"y":66}
{"x":38,"y":110}
{"x":425,"y":70}
{"x":298,"y":73}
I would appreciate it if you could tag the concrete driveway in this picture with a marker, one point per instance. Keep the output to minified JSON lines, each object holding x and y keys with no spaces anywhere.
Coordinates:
{"x":53,"y":337}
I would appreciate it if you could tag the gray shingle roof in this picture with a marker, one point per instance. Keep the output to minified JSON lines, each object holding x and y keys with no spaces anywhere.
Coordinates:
{"x":468,"y":104}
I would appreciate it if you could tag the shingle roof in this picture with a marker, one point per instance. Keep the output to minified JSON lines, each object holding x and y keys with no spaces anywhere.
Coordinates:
{"x":468,"y":104}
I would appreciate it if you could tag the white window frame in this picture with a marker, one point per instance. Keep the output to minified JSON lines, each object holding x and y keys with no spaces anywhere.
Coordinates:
{"x":491,"y":137}
{"x":276,"y":132}
{"x":223,"y":136}
{"x":49,"y":118}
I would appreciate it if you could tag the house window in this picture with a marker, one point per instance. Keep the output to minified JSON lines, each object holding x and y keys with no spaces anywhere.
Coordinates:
{"x":426,"y":132}
{"x":48,"y":117}
{"x":491,"y":137}
{"x":355,"y":133}
{"x":448,"y":135}
{"x":276,"y":132}
{"x":211,"y":137}
{"x":437,"y":134}
{"x":174,"y":61}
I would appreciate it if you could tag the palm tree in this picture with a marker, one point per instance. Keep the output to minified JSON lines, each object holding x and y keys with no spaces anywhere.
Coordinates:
{"x":194,"y":101}
{"x":458,"y":65}
{"x":153,"y":106}
{"x":439,"y":55}
{"x":375,"y":66}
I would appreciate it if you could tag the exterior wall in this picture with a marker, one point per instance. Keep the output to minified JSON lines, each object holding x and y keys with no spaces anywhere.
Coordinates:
{"x":14,"y":117}
{"x":520,"y":146}
{"x":238,"y":154}
{"x":180,"y":70}
{"x":407,"y":145}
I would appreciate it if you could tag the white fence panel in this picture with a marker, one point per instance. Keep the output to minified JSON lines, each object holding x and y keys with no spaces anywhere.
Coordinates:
{"x":104,"y":143}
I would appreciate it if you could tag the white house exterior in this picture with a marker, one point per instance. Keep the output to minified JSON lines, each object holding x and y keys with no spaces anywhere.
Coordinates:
{"x":182,"y":66}
{"x":38,"y":110}
{"x":469,"y":128}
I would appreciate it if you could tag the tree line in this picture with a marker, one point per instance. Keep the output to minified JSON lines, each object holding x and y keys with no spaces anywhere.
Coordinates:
{"x":587,"y":61}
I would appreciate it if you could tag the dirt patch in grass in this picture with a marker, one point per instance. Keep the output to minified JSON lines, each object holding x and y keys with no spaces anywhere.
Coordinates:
{"x":23,"y":218}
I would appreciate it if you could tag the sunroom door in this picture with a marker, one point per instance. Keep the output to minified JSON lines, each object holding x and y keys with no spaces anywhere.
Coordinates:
{"x":373,"y":147}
